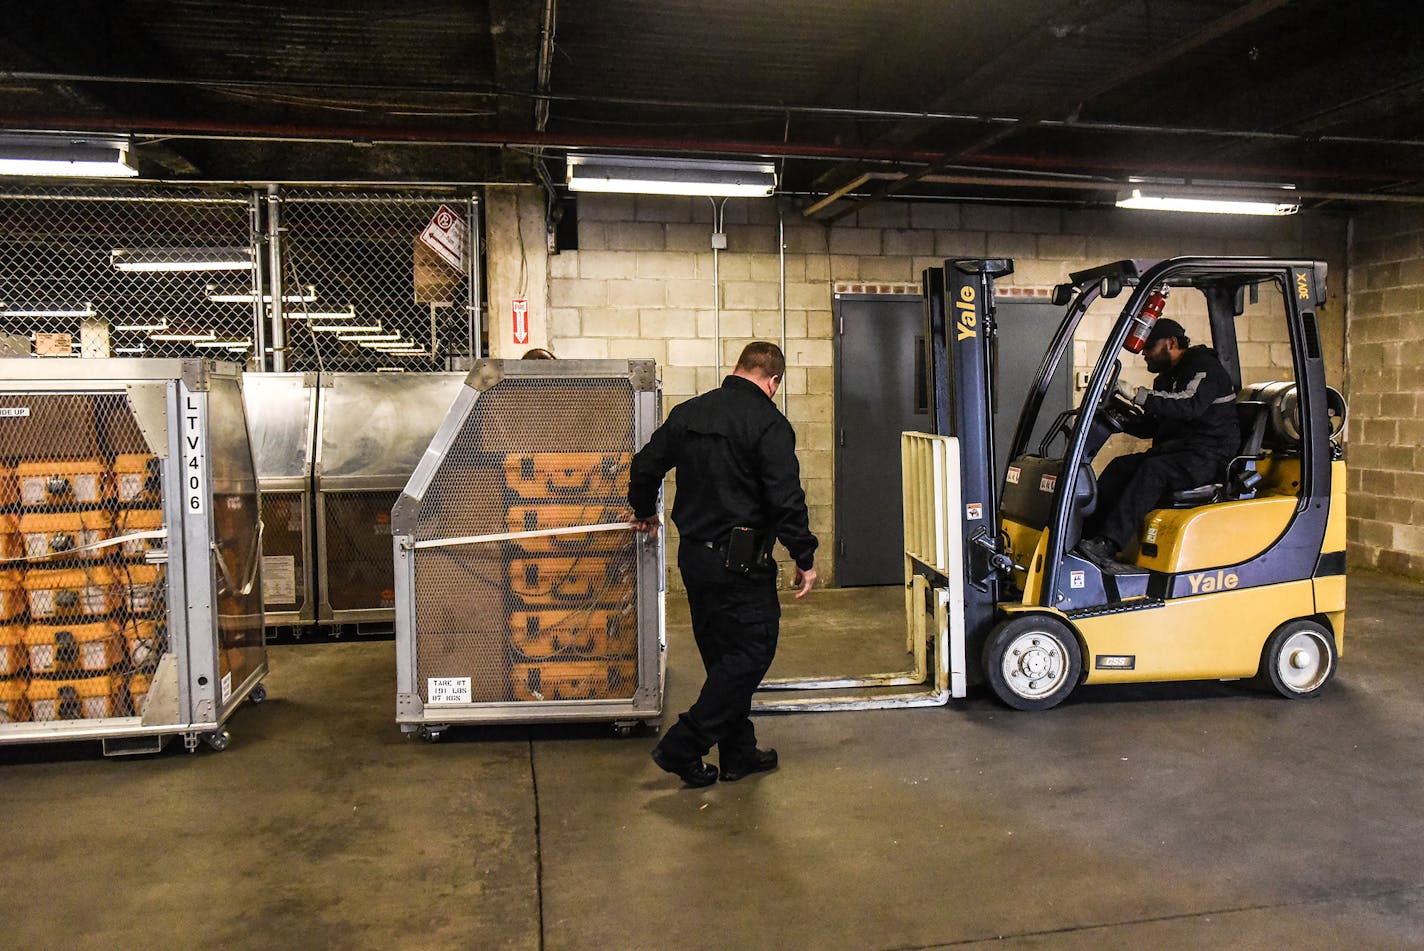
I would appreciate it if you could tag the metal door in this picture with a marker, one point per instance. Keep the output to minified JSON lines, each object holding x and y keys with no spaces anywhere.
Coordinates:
{"x":879,"y":394}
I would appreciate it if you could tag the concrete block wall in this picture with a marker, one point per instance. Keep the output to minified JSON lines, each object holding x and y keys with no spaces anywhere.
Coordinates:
{"x":1386,"y":392}
{"x":641,"y":284}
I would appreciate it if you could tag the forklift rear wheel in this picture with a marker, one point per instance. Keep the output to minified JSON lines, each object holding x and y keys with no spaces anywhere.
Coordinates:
{"x":1032,"y":661}
{"x":1299,"y":659}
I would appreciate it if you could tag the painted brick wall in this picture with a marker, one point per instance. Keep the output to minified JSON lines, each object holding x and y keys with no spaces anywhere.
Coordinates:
{"x":641,"y":285}
{"x":1386,"y":393}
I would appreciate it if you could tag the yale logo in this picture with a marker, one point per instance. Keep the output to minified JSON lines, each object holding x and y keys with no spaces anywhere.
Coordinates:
{"x":1205,"y":582}
{"x":1302,"y":285}
{"x":967,"y":320}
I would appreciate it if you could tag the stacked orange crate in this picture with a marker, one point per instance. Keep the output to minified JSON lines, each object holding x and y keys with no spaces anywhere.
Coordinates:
{"x":572,"y":620}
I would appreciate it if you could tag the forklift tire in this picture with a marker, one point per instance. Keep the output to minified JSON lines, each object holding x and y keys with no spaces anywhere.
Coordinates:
{"x":1032,"y":661}
{"x":1299,"y":659}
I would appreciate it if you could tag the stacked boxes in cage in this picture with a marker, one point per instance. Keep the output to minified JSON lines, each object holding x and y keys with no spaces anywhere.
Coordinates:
{"x":81,"y":612}
{"x":572,"y":618}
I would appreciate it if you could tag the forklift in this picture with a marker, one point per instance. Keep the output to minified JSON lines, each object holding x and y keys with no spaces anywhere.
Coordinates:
{"x":1242,"y":578}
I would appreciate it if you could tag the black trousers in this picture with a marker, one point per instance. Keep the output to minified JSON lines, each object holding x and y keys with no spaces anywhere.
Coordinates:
{"x":735,"y":620}
{"x":1131,"y":486}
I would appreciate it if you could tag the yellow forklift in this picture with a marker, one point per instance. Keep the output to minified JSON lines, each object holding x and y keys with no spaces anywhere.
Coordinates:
{"x":1242,"y":578}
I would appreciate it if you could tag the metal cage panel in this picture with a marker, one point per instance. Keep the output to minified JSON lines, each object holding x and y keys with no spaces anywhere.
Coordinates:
{"x":513,"y":607}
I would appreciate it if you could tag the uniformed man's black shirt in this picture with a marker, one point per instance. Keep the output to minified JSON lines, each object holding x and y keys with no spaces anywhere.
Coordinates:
{"x":735,"y":455}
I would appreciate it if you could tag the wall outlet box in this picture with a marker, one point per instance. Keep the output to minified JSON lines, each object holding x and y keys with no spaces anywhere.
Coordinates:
{"x":719,"y":241}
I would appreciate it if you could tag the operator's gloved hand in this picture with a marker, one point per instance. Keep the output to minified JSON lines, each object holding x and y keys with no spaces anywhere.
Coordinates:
{"x":1133,"y":394}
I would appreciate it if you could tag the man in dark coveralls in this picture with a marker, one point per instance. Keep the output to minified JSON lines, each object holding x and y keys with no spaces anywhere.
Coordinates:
{"x":738,"y":485}
{"x":1190,"y":413}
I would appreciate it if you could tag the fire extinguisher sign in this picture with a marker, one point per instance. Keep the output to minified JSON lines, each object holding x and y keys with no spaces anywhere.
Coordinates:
{"x":520,"y":313}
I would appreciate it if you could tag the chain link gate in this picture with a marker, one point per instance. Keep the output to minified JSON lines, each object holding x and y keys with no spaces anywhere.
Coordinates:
{"x":333,"y":278}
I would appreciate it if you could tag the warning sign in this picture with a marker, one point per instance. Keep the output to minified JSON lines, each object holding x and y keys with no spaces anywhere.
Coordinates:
{"x":520,"y":313}
{"x":445,"y":235}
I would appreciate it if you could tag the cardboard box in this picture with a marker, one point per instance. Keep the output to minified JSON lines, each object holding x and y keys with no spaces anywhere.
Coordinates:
{"x":53,"y":425}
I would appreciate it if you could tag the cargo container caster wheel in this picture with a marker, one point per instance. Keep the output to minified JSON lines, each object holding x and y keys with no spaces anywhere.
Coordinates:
{"x":218,"y":741}
{"x":258,"y":694}
{"x":625,"y":729}
{"x":431,"y":734}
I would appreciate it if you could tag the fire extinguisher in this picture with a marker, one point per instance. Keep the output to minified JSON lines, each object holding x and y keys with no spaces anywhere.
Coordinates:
{"x":1146,"y":318}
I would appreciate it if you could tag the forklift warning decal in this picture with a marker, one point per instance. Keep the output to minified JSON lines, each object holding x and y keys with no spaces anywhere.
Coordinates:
{"x":1076,"y":579}
{"x":967,"y":320}
{"x":1048,"y":483}
{"x":974,"y":511}
{"x":1013,"y":477}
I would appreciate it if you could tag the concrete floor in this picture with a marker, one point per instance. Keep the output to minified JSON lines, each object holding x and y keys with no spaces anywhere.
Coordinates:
{"x":1174,"y":816}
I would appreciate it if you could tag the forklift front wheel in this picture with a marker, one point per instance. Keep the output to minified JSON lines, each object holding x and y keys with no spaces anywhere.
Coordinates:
{"x":1299,"y":659}
{"x":1032,"y":661}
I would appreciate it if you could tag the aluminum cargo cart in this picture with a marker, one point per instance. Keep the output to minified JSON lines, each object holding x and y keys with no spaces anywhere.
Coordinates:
{"x":522,"y":595}
{"x":130,"y":587}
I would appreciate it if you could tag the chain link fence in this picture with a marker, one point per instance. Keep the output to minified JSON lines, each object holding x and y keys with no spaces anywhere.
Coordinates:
{"x":332,"y":278}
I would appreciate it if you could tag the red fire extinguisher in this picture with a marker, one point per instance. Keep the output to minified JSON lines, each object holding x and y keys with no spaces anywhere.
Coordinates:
{"x":1146,"y":318}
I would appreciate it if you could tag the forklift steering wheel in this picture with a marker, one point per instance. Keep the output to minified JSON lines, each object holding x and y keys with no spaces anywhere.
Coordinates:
{"x":1117,"y":411}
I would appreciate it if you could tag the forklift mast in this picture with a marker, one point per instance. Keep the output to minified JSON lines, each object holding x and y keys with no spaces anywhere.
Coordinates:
{"x":960,"y":337}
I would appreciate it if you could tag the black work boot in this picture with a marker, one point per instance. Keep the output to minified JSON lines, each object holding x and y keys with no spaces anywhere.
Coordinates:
{"x":761,"y":761}
{"x":693,"y":772}
{"x":1099,"y":551}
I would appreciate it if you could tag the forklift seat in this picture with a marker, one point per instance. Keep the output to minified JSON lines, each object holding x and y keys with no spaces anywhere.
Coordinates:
{"x":1241,"y":475}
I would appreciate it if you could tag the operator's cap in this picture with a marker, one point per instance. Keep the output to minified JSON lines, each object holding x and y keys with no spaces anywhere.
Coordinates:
{"x":1166,"y":327}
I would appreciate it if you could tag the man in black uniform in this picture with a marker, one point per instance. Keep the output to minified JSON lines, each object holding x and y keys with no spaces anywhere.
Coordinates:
{"x":1190,"y":414}
{"x":738,"y":492}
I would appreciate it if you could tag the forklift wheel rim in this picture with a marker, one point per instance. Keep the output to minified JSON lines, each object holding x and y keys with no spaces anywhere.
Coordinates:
{"x":1035,"y":664}
{"x":1303,"y":662}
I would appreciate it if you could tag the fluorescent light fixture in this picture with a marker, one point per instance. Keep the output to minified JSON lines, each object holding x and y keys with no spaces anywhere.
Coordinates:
{"x":665,"y":176}
{"x":131,"y":351}
{"x":181,"y":259}
{"x":223,"y":344}
{"x":348,"y":314}
{"x":408,"y":353}
{"x":370,"y":338}
{"x":139,"y":328}
{"x":87,"y":311}
{"x":346,"y":328}
{"x":65,"y":157}
{"x":182,"y":338}
{"x":1200,"y":203}
{"x":394,"y":347}
{"x":307,"y":296}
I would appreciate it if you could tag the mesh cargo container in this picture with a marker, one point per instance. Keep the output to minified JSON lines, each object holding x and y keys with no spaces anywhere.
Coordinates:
{"x":130,"y":587}
{"x":521,"y":593}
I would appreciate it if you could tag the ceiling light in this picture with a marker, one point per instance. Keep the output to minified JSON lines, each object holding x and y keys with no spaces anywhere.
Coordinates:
{"x":346,"y":328}
{"x":664,"y":176}
{"x":348,"y":314}
{"x":132,"y":351}
{"x":1204,"y":204}
{"x":369,"y":338}
{"x":87,"y":311}
{"x":407,"y":353}
{"x":307,"y":296}
{"x":139,"y":328}
{"x":220,"y":344}
{"x":181,"y":259}
{"x":182,"y":338}
{"x":61,"y":156}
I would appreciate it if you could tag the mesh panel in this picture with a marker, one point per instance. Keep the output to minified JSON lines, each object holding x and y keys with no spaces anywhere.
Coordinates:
{"x":237,"y":540}
{"x":81,"y":628}
{"x":283,"y":551}
{"x":73,"y":260}
{"x":362,"y":255}
{"x":127,"y":266}
{"x":360,"y":573}
{"x":545,"y":618}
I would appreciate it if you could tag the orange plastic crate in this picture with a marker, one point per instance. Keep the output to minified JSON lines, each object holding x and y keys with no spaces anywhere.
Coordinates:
{"x":146,"y":641}
{"x":132,"y":521}
{"x":531,"y":517}
{"x":141,"y":587}
{"x":86,"y":698}
{"x":12,"y":595}
{"x":139,"y":687}
{"x":585,"y":582}
{"x":53,"y":536}
{"x":574,"y":680}
{"x":138,"y":478}
{"x":13,"y":655}
{"x":70,"y":648}
{"x":579,"y":476}
{"x":564,"y":631}
{"x":11,"y":544}
{"x":69,"y":593}
{"x":14,"y":705}
{"x":58,"y":482}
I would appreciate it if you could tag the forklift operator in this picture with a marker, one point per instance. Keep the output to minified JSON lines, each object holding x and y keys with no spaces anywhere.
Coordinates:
{"x":1190,"y":415}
